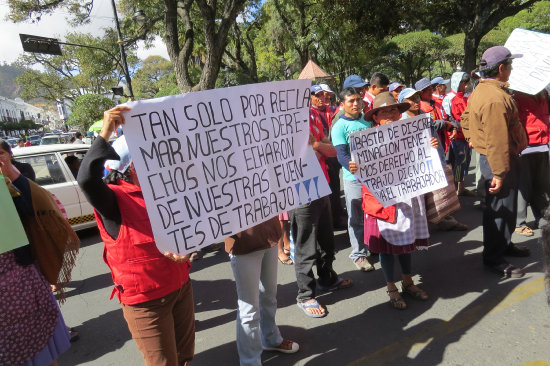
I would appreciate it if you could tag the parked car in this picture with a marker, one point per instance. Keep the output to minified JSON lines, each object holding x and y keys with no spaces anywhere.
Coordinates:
{"x":11,"y":141}
{"x":35,"y":140}
{"x":54,"y":139}
{"x":53,"y":173}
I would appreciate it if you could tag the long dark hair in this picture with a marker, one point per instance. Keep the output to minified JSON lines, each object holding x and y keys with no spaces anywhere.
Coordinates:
{"x":5,"y":146}
{"x":114,"y":176}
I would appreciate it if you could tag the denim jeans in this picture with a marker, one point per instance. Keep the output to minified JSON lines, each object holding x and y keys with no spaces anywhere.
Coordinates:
{"x":256,"y":280}
{"x":313,"y":235}
{"x":356,"y":219}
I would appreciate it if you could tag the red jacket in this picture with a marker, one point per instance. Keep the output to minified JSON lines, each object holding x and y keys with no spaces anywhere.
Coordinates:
{"x":373,"y":208}
{"x":435,"y":113}
{"x":533,"y":114}
{"x":140,"y":272}
{"x":316,"y":129}
{"x":458,"y":105}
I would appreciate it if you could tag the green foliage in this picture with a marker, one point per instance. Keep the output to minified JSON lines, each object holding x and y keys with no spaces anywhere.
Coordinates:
{"x":88,"y":108}
{"x":78,"y":71}
{"x":155,"y":74}
{"x":24,"y":125}
{"x":411,"y":55}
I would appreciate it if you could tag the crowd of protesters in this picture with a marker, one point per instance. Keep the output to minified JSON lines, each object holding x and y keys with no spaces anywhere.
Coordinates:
{"x":477,"y":111}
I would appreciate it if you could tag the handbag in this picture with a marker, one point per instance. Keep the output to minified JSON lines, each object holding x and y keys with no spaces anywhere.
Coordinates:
{"x":444,"y":201}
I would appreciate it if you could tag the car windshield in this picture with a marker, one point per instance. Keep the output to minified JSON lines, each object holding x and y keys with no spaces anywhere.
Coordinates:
{"x":50,"y":141}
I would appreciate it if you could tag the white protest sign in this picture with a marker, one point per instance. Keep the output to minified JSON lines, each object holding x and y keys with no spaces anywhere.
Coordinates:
{"x":530,"y":73}
{"x":396,"y":161}
{"x":214,"y":163}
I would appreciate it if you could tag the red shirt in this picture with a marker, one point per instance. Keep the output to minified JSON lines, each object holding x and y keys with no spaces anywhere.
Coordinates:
{"x":317,"y":129}
{"x":458,"y":105}
{"x":533,"y":114}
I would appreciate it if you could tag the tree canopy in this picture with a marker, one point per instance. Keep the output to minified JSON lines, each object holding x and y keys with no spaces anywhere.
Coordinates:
{"x":217,"y":43}
{"x":88,"y":108}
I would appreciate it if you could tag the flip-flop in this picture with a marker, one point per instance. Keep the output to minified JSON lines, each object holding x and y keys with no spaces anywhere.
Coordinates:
{"x":524,"y":230}
{"x":340,"y":283}
{"x":288,"y":261}
{"x":308,"y":305}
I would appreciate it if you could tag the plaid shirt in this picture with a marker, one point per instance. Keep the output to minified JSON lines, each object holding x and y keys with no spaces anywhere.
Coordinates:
{"x":411,"y":223}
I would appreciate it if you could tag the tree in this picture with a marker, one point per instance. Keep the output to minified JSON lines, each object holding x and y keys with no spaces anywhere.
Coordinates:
{"x":411,"y":55}
{"x":475,"y":18}
{"x":179,"y":22}
{"x":156,"y":73}
{"x":78,"y":71}
{"x":88,"y":108}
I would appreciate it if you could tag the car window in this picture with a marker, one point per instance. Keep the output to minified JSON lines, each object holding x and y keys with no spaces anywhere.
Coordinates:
{"x":73,"y":160}
{"x":47,"y":168}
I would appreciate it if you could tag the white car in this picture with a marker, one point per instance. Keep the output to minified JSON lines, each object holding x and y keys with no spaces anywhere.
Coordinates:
{"x":53,"y":173}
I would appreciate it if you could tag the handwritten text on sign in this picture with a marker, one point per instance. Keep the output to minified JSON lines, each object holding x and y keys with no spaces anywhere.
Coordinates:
{"x":395,"y":160}
{"x":530,"y":73}
{"x":214,"y":163}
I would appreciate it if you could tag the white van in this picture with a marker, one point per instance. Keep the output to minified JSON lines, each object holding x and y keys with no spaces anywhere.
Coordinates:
{"x":53,"y":173}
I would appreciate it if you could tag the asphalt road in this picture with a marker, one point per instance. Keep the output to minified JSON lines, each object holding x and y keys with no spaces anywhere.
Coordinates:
{"x":473,"y":317}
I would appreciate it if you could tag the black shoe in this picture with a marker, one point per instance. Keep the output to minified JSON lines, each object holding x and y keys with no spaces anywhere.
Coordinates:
{"x":515,"y":251}
{"x":505,"y":269}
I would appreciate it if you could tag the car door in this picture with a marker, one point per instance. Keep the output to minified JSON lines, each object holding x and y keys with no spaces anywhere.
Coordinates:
{"x":87,"y":211}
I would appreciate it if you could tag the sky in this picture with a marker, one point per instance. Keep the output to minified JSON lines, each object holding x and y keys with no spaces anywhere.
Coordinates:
{"x":55,"y":26}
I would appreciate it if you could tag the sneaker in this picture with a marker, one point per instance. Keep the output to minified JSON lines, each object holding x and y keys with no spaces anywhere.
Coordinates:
{"x":287,"y":346}
{"x":363,"y":264}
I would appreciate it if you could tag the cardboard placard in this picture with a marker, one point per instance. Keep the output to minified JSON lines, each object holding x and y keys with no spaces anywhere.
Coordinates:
{"x":214,"y":163}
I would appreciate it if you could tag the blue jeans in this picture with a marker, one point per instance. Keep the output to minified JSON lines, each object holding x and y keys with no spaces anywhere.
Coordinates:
{"x":256,"y":279}
{"x":356,"y":218}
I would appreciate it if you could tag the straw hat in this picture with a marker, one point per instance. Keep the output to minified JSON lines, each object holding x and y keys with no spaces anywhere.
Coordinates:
{"x":385,"y":100}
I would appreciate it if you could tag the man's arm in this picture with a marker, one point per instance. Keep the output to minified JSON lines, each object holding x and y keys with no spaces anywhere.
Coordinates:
{"x":324,"y":147}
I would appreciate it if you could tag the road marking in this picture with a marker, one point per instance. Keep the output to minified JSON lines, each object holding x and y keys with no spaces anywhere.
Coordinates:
{"x":463,"y":319}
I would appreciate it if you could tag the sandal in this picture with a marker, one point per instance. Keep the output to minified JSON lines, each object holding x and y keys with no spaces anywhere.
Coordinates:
{"x":286,"y":251}
{"x":341,"y":283}
{"x":524,"y":230}
{"x":397,"y":302}
{"x":287,"y":261}
{"x":310,"y":305}
{"x":415,"y":292}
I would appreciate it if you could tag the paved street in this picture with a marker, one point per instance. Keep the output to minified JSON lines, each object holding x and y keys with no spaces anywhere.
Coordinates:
{"x":472,"y":318}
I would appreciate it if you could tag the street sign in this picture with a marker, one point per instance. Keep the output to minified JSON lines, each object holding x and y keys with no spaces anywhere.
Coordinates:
{"x":38,"y":44}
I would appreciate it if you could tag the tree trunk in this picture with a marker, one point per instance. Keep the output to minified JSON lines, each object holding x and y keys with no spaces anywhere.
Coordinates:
{"x":471,"y":43}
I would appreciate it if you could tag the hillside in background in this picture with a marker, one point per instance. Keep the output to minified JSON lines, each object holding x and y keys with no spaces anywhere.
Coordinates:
{"x":8,"y":87}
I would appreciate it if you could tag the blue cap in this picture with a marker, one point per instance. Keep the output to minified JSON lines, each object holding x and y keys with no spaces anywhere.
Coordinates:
{"x":121,"y":148}
{"x":439,"y":80}
{"x":422,"y":84}
{"x":354,"y":81}
{"x":406,"y":93}
{"x":394,"y":86}
{"x":316,"y":89}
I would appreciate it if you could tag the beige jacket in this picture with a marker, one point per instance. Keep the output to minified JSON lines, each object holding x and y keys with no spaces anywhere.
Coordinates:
{"x":491,"y":123}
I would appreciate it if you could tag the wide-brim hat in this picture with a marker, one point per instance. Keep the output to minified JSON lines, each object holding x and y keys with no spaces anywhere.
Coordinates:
{"x":385,"y":100}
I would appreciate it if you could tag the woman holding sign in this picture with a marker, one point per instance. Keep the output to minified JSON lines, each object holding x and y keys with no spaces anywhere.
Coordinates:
{"x":153,"y":288}
{"x":397,"y":230}
{"x":32,"y":330}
